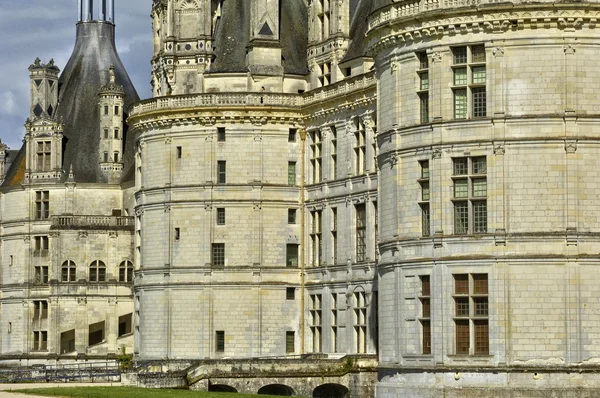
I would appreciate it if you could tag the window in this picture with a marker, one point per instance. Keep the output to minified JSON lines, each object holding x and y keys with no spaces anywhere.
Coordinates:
{"x":116,"y":134}
{"x":291,"y":216}
{"x":179,"y":152}
{"x":471,"y":314}
{"x":424,"y":198}
{"x":11,"y":260}
{"x":220,"y":341}
{"x":290,"y":342}
{"x":106,"y":133}
{"x":334,"y":322}
{"x":423,"y":89}
{"x":292,"y":135}
{"x":470,"y":195}
{"x":425,"y":299}
{"x":361,"y":233}
{"x":177,"y":234}
{"x":316,"y":244}
{"x":96,"y":333}
{"x":116,"y":110}
{"x":97,"y":271}
{"x":125,"y":322}
{"x":220,"y":216}
{"x":315,"y":319}
{"x":469,"y":83}
{"x":325,"y":74}
{"x":68,"y":271}
{"x":218,"y":254}
{"x":221,"y":134}
{"x":40,"y":309}
{"x":40,"y":341}
{"x":126,"y":271}
{"x":360,"y":147}
{"x":44,"y":154}
{"x":360,"y":322}
{"x":291,"y":255}
{"x":291,"y":173}
{"x":333,"y":153}
{"x":323,"y":14}
{"x":222,"y":172}
{"x":41,"y":275}
{"x":290,"y":293}
{"x":41,"y":244}
{"x":334,"y":237}
{"x":116,"y":157}
{"x":105,"y":110}
{"x":105,"y":157}
{"x":316,"y":156}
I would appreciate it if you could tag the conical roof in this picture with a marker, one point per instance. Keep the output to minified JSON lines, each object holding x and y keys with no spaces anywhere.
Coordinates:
{"x":86,"y":72}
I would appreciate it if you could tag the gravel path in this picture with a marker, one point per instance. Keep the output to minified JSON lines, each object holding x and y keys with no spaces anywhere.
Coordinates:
{"x":5,"y":388}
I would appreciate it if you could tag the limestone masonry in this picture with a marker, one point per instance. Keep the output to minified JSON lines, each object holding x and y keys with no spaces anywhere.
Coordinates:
{"x":327,"y":198}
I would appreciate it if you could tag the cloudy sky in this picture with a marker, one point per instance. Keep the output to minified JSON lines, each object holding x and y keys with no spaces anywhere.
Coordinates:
{"x":46,"y":29}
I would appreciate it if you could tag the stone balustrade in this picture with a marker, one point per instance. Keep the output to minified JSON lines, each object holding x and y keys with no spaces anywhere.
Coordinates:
{"x":92,"y":222}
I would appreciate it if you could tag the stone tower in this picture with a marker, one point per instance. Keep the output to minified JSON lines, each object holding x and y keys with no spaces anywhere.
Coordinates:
{"x":111,"y":129}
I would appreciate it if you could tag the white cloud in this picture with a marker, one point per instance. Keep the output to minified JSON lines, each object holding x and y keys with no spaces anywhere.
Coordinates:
{"x":8,"y":103}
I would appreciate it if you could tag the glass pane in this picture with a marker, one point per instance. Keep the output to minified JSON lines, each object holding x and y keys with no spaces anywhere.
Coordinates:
{"x":479,"y":102}
{"x":478,"y":74}
{"x":479,"y":165}
{"x":460,"y":104}
{"x":460,"y":166}
{"x":460,"y":55}
{"x":461,"y":218}
{"x":424,"y":76}
{"x":482,"y":339}
{"x":426,"y":224}
{"x":462,"y":337}
{"x":480,"y":284}
{"x":424,"y":168}
{"x":479,"y":187}
{"x":425,"y":190}
{"x":462,"y":306}
{"x":478,"y":53}
{"x":461,"y":188}
{"x":481,"y":306}
{"x":480,"y":216}
{"x":461,"y":284}
{"x":460,"y":76}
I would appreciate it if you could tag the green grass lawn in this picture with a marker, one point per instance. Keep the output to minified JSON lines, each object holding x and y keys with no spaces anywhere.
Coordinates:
{"x":129,"y":392}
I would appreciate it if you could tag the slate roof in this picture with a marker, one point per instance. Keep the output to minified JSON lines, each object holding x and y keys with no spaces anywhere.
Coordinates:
{"x":359,"y":11}
{"x":233,"y":33}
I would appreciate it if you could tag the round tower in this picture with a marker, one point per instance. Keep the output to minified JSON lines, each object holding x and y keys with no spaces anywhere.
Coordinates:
{"x":487,"y":151}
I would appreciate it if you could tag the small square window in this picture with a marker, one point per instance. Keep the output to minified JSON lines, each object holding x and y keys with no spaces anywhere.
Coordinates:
{"x":219,"y":341}
{"x":221,"y":134}
{"x":460,"y":55}
{"x":460,"y":166}
{"x":478,"y":53}
{"x":220,"y":216}
{"x":290,"y":293}
{"x":291,"y":216}
{"x":292,"y":135}
{"x":218,"y":254}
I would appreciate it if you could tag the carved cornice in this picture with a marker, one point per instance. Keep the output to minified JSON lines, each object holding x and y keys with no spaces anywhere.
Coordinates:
{"x":492,"y":19}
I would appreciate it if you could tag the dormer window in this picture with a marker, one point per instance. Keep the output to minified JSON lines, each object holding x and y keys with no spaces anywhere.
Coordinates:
{"x":44,"y":152}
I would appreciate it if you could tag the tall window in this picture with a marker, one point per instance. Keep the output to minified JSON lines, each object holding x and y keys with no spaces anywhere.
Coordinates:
{"x":220,"y":216}
{"x":221,"y":134}
{"x":360,"y":148}
{"x":423,"y":89}
{"x":316,"y":237}
{"x":126,"y":271}
{"x":40,"y":309}
{"x":42,"y":205}
{"x":291,"y":173}
{"x":291,"y":216}
{"x":68,"y":271}
{"x":222,"y":172}
{"x":333,"y":153}
{"x":334,"y":322}
{"x":316,"y":322}
{"x":469,"y":85}
{"x":424,"y":198}
{"x":40,"y":341}
{"x":291,"y":255}
{"x":471,"y":315}
{"x":97,"y":271}
{"x":361,"y":233}
{"x":425,"y":299}
{"x":325,"y":74}
{"x":470,"y":195}
{"x":41,"y":244}
{"x":41,"y":275}
{"x":220,"y":341}
{"x":323,"y":14}
{"x":116,"y":134}
{"x":290,"y":342}
{"x":334,"y":237}
{"x":360,"y":322}
{"x":316,"y":156}
{"x":44,"y":153}
{"x":218,"y":255}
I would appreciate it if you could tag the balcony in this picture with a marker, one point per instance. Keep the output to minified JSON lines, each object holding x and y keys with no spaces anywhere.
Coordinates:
{"x":93,"y":222}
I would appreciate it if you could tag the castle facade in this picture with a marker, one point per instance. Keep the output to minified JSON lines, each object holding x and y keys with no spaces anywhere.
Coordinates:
{"x":343,"y":198}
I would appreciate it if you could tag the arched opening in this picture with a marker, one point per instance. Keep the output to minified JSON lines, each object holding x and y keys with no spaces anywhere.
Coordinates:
{"x":276,"y":389}
{"x":221,"y":388}
{"x":331,"y":391}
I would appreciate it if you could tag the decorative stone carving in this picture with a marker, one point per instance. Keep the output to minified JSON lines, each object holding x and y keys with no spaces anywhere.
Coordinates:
{"x":498,"y":148}
{"x":570,"y":146}
{"x":498,"y":52}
